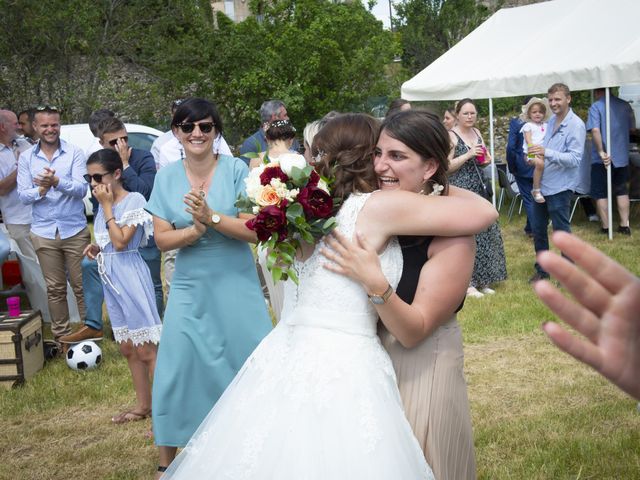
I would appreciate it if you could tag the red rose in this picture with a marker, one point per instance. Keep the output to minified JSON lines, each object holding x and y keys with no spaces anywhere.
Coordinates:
{"x":314,"y":178}
{"x":270,"y":220}
{"x":315,"y":202}
{"x":273,"y":172}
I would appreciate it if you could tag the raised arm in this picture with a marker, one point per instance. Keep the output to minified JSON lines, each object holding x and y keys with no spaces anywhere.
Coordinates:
{"x":441,"y":288}
{"x":389,"y":213}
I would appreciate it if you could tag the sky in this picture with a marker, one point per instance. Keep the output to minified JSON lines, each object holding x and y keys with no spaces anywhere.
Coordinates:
{"x":381,"y":11}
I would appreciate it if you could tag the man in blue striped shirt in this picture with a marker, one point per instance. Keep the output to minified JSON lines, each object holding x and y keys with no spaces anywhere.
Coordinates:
{"x":50,"y":179}
{"x":562,"y":151}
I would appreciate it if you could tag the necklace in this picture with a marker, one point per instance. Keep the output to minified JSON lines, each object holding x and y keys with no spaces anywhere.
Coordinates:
{"x":202,"y":191}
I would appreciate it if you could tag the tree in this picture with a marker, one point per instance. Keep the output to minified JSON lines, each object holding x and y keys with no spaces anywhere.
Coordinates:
{"x":135,"y":56}
{"x":428,"y":28}
{"x":316,"y":56}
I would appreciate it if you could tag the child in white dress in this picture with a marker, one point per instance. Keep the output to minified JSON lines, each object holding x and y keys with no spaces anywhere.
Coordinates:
{"x":120,"y":227}
{"x":535,"y":114}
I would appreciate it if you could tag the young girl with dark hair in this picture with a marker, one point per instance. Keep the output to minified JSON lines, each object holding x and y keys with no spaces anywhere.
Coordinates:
{"x":120,"y":227}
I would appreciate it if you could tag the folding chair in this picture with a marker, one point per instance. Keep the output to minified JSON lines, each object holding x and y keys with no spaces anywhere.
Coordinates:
{"x":506,"y":190}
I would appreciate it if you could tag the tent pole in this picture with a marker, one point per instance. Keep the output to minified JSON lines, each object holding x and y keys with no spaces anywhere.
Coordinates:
{"x":608,"y":150}
{"x":493,"y":162}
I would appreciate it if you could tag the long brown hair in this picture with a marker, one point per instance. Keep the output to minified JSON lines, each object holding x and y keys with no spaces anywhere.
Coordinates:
{"x":343,"y":149}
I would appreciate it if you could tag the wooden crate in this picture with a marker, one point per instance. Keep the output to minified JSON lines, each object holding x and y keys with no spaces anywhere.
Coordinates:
{"x":21,"y":347}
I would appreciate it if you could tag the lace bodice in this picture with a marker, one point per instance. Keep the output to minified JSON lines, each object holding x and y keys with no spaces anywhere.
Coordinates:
{"x":326,"y":299}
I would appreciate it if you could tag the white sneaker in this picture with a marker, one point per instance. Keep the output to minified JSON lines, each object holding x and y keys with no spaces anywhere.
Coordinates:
{"x":594,"y":218}
{"x":487,"y":291}
{"x":474,"y":293}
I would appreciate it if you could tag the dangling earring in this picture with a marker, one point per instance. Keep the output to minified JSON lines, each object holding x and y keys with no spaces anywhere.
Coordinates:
{"x":436,"y":188}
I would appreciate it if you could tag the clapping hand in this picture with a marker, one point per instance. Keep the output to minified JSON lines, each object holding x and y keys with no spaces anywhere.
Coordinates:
{"x":606,"y":311}
{"x":198,"y":208}
{"x":103,"y":194}
{"x":91,"y":251}
{"x":46,"y":178}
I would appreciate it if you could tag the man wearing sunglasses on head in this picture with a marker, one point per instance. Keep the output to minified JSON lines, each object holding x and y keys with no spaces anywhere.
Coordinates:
{"x":50,"y":179}
{"x":138,"y":176}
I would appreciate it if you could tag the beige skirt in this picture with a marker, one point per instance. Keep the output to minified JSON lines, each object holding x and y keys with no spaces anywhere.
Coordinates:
{"x":434,"y":393}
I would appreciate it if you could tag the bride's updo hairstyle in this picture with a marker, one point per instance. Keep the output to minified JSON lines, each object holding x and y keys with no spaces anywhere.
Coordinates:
{"x":422,"y":132}
{"x":280,"y":130}
{"x":343,"y":152}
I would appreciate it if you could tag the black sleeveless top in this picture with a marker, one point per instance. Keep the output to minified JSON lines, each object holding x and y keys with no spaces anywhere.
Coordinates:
{"x":414,"y":256}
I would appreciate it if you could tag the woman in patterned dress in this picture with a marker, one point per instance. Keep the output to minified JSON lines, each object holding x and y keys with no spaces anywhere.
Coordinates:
{"x":464,"y":172}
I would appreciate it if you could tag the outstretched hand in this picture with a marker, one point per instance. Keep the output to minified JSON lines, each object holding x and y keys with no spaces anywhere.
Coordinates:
{"x":355,"y":259}
{"x":606,"y":311}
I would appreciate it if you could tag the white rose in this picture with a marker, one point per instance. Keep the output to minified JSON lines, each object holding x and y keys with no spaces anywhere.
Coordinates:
{"x":290,"y":160}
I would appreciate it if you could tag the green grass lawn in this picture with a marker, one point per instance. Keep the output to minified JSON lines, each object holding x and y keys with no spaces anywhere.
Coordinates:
{"x":537,"y":413}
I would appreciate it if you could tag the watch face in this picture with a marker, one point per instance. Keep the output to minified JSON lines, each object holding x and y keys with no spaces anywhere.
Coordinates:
{"x":376,"y":299}
{"x":215,"y":218}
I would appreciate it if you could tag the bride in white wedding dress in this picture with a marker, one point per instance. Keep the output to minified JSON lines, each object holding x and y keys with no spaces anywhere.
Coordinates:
{"x":317,"y":399}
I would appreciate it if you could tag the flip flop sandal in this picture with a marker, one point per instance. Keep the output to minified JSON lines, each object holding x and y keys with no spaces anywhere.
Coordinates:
{"x":129,"y":416}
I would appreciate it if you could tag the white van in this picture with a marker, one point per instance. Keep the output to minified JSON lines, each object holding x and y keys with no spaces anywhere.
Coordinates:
{"x":79,"y":134}
{"x":631,"y":94}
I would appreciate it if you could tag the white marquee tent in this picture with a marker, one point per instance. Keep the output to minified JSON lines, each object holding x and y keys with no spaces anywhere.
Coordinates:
{"x":521,"y":51}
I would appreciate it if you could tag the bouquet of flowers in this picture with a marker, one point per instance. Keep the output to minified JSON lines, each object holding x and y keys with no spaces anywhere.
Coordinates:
{"x":292,"y":203}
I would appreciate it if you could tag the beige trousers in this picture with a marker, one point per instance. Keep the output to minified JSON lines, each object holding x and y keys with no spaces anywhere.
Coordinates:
{"x":22,"y":236}
{"x":434,"y":394}
{"x":58,"y":257}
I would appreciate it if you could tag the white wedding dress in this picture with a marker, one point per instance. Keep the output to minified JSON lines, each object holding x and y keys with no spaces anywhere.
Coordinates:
{"x":317,"y":399}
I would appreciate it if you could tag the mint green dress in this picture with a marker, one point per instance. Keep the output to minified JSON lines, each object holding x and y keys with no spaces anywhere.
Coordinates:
{"x":216,"y":314}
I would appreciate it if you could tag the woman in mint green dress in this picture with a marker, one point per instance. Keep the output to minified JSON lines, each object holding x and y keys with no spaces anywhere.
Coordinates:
{"x":216,"y":314}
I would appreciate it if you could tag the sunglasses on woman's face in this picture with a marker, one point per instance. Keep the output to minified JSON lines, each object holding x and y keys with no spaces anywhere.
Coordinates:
{"x":96,"y":176}
{"x":188,"y":127}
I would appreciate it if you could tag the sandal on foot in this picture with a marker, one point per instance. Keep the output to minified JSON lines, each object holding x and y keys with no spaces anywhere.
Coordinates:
{"x":130,"y":416}
{"x":160,"y":471}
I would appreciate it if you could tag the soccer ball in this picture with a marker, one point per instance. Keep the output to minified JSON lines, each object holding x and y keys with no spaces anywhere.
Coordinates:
{"x":84,"y":356}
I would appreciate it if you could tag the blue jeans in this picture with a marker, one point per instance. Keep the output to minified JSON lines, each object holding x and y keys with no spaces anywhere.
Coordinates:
{"x":525,"y":185}
{"x":92,"y":285}
{"x":557,"y":208}
{"x":5,"y":247}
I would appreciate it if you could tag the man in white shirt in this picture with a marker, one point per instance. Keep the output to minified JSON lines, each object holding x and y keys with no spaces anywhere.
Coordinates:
{"x":16,"y":215}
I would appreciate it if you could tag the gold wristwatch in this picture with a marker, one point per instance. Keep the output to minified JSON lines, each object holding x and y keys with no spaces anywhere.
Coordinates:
{"x":381,"y":299}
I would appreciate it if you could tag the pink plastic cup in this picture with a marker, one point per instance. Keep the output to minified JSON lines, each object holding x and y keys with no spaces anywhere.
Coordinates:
{"x":13,"y":303}
{"x":480,"y":158}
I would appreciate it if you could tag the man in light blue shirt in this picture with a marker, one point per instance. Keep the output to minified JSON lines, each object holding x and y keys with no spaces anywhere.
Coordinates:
{"x":50,"y":179}
{"x":562,"y":152}
{"x":622,"y":122}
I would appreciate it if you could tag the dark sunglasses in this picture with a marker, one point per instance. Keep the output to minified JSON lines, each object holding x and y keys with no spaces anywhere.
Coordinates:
{"x":47,"y":108}
{"x":96,"y":176}
{"x":114,"y":142}
{"x":188,"y":127}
